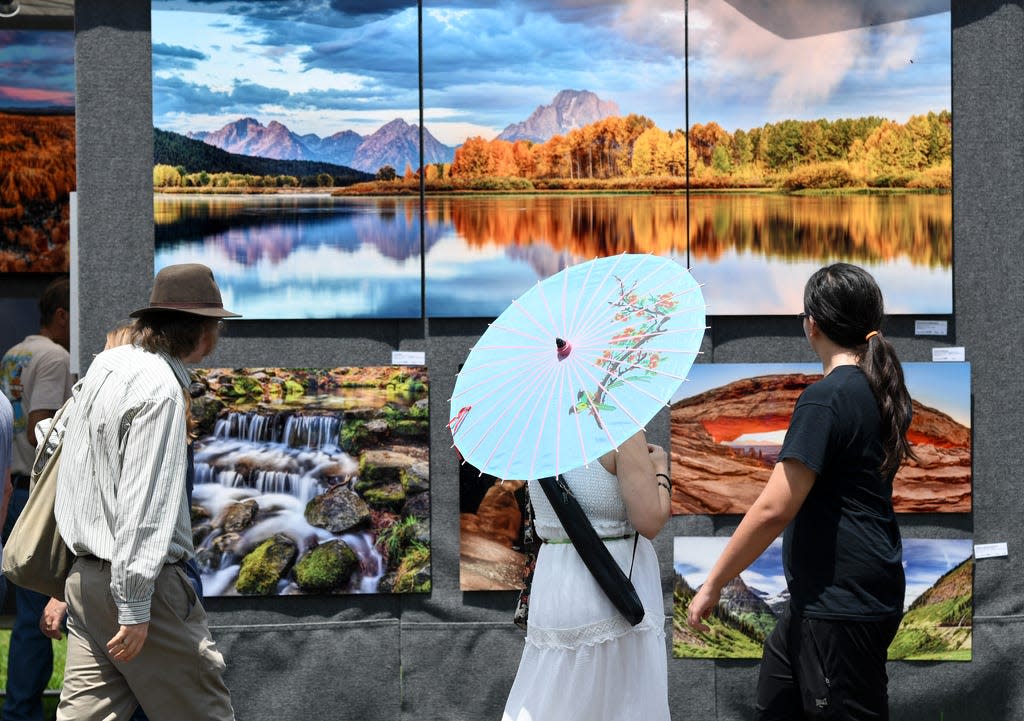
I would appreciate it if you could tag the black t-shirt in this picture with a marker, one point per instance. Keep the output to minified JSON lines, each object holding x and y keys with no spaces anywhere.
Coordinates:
{"x":842,"y":553}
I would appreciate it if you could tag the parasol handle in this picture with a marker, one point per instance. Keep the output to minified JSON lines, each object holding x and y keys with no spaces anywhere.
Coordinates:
{"x":564,"y":348}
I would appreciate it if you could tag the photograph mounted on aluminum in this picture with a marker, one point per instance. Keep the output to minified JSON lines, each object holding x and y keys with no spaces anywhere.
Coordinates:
{"x":938,"y":603}
{"x":492,"y":517}
{"x":311,"y":481}
{"x":267,"y":118}
{"x":551,"y":124}
{"x":820,"y":132}
{"x":37,"y":149}
{"x":728,"y":421}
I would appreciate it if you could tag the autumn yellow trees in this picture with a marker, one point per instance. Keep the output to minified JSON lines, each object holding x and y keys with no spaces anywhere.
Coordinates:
{"x":37,"y":175}
{"x":632,"y":152}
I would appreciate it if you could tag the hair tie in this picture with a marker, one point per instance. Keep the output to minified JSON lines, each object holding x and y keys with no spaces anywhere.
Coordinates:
{"x":870,"y":335}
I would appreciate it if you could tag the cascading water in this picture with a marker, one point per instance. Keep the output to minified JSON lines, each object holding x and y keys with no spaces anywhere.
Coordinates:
{"x":281,"y":461}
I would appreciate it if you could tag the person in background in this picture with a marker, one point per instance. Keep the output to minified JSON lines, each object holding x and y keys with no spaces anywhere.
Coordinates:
{"x":6,"y":449}
{"x":35,"y":377}
{"x":831,"y":491}
{"x":137,"y":632}
{"x":583,"y":661}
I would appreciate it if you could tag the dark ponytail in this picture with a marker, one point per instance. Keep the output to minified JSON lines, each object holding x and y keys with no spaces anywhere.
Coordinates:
{"x":846,"y":304}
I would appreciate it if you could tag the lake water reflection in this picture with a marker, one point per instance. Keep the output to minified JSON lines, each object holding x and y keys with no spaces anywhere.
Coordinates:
{"x":299,"y":256}
{"x":317,"y":256}
{"x":752,"y":250}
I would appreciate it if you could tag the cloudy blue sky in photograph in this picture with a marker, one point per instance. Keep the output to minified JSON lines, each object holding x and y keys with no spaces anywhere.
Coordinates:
{"x":327,"y":66}
{"x":317,"y":67}
{"x":37,"y":69}
{"x":743,"y":76}
{"x":488,"y":64}
{"x":925,"y":560}
{"x":693,"y":557}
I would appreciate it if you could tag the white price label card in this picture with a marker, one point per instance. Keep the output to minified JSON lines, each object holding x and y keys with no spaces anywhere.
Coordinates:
{"x":948,"y":354}
{"x":990,"y":550}
{"x":931,"y":327}
{"x":408,"y":358}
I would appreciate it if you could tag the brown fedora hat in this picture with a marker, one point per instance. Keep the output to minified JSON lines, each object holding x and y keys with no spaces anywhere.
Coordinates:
{"x":186,"y":288}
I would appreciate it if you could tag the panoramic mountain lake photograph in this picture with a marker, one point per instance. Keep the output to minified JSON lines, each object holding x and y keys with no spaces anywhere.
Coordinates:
{"x":307,"y":182}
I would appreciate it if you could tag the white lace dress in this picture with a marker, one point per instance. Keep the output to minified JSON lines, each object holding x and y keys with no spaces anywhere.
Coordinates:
{"x":582,"y":660}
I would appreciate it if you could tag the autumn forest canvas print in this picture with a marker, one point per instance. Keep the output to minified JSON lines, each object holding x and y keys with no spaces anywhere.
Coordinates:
{"x":37,"y":149}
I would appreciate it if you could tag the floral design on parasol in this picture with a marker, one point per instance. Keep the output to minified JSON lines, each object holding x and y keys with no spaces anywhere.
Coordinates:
{"x":577,"y":365}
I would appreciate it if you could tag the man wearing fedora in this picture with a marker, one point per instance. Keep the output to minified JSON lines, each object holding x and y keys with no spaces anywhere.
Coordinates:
{"x":137,"y":632}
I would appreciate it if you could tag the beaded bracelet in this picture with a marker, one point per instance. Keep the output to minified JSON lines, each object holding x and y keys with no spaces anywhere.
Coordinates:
{"x":667,"y":486}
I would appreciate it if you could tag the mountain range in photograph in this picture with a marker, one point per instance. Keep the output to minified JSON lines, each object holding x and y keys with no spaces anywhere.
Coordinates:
{"x":395,"y":143}
{"x":935,"y":627}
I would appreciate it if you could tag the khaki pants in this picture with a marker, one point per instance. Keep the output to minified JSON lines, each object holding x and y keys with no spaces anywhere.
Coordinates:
{"x":178,"y":676}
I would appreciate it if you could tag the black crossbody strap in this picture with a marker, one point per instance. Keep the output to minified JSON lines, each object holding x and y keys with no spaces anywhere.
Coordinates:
{"x":636,"y":540}
{"x":591,"y":548}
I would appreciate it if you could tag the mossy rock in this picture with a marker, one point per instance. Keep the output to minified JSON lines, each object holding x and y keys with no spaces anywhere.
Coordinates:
{"x":353,"y":436}
{"x":392,"y":413}
{"x":338,"y":510}
{"x":411,"y":429}
{"x":390,"y":496}
{"x":238,"y":516}
{"x":360,"y":414}
{"x":386,"y":583}
{"x":413,"y":574}
{"x":381,"y":467}
{"x":328,"y":567}
{"x":420,"y":410}
{"x":416,"y":478}
{"x":293,"y":389}
{"x":242,"y":387}
{"x":205,"y":410}
{"x":264,"y":567}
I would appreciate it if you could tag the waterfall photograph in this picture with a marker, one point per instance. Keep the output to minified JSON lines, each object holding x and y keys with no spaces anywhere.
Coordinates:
{"x":311,"y":481}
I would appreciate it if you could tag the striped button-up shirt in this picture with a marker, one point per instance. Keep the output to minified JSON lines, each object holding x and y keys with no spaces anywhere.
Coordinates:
{"x":121,"y":484}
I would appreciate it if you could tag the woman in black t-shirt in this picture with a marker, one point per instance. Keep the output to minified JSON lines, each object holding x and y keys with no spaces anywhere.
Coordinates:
{"x":832,"y":493}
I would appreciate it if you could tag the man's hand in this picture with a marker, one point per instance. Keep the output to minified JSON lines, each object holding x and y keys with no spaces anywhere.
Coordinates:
{"x":51,"y":623}
{"x":127,"y":643}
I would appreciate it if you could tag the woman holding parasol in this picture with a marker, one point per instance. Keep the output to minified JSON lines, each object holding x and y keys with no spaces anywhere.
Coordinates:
{"x":561,"y":385}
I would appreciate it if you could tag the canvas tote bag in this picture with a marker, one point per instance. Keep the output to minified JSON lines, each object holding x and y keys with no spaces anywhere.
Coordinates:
{"x":35,"y":556}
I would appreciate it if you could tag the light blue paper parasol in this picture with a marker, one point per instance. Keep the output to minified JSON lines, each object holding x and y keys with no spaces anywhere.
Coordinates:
{"x":576,"y":366}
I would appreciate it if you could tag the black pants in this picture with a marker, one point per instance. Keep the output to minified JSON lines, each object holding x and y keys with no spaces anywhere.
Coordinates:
{"x":818,"y":669}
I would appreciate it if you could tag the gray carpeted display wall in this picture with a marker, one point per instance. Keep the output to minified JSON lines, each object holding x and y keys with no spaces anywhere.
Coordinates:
{"x":452,"y":655}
